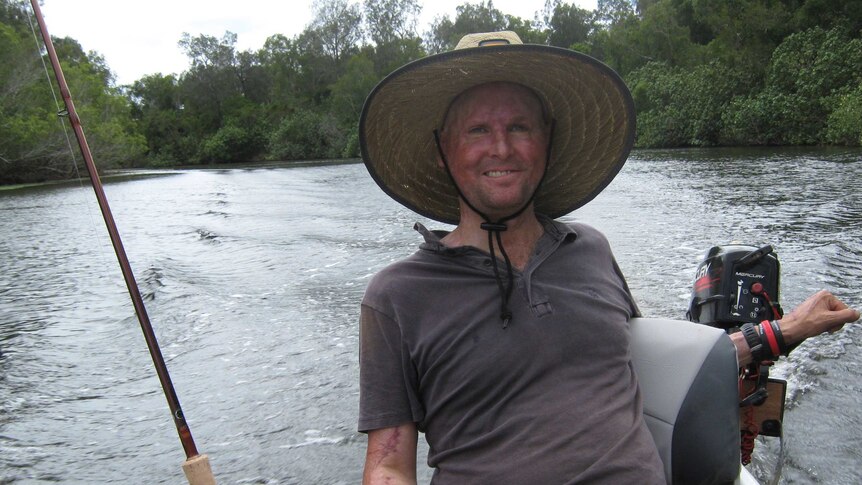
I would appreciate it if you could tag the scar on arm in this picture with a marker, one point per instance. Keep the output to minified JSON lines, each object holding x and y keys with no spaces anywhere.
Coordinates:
{"x":388,"y":445}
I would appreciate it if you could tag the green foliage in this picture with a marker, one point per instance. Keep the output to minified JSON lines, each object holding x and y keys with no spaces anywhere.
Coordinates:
{"x":682,"y":107}
{"x":816,"y":63}
{"x":760,"y":88}
{"x":351,"y":147}
{"x":390,"y":21}
{"x":810,"y":75}
{"x":337,"y":24}
{"x":160,"y":117}
{"x":307,"y":135}
{"x":213,"y":79}
{"x":525,"y":29}
{"x":33,"y":144}
{"x":391,"y":56}
{"x":279,"y":59}
{"x":614,"y":12}
{"x":771,"y":118}
{"x":13,"y":14}
{"x":702,"y":72}
{"x":740,"y":33}
{"x":844,"y":126}
{"x":569,"y":25}
{"x":469,"y":18}
{"x":113,"y":137}
{"x":30,"y":136}
{"x":631,"y":42}
{"x":391,"y":25}
{"x":826,"y":14}
{"x":242,"y":138}
{"x":317,"y":71}
{"x":351,"y":89}
{"x":230,"y":143}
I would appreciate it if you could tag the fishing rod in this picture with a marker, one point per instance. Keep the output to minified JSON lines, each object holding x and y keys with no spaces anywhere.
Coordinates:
{"x":196,"y":466}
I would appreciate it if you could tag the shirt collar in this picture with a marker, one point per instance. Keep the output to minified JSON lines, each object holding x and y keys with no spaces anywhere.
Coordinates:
{"x":555,"y":229}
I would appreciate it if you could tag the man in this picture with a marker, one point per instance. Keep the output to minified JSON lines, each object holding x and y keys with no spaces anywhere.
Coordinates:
{"x":506,"y":340}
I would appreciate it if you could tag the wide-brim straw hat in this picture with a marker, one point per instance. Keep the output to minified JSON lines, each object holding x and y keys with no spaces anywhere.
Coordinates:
{"x":592,"y":108}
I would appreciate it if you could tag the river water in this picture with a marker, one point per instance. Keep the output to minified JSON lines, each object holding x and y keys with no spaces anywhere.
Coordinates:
{"x":252,"y":278}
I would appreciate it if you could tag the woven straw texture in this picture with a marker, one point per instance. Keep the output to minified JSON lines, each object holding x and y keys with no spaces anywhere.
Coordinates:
{"x":592,"y":108}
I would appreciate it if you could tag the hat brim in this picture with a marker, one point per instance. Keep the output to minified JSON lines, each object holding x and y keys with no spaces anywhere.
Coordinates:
{"x":591,"y":105}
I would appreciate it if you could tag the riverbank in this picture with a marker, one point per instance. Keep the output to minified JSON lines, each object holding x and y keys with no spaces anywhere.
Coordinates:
{"x":119,"y":175}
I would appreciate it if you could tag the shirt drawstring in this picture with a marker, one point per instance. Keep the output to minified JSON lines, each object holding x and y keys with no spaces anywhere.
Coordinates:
{"x":505,"y":293}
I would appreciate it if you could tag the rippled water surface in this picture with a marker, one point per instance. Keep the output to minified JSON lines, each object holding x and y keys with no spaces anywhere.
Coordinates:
{"x":252,"y":278}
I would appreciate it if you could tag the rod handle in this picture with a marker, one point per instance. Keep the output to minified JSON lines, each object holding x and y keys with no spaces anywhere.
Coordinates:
{"x":198,"y":471}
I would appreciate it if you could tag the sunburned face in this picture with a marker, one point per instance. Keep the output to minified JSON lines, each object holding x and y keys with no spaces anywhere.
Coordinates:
{"x":495,"y":141}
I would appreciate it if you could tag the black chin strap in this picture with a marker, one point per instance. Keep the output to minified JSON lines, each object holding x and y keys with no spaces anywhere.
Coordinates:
{"x":496,"y":228}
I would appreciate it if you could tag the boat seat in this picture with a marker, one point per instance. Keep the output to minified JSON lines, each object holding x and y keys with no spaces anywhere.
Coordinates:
{"x":688,"y":377}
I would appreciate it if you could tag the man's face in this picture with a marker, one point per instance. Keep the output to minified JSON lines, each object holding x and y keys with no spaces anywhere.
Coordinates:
{"x":495,"y":141}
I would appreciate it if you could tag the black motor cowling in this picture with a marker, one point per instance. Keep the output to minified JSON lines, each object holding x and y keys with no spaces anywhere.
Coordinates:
{"x":736,"y":284}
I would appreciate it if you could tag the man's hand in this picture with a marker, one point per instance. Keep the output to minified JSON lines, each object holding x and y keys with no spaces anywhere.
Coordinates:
{"x":821,"y":312}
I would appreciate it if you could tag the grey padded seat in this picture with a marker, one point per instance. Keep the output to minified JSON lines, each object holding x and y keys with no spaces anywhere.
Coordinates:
{"x":688,"y":377}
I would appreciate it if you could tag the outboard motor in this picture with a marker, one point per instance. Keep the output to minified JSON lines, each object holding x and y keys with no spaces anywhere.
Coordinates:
{"x":735,"y":285}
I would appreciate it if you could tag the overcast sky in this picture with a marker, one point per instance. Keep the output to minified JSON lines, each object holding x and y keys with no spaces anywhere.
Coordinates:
{"x":139,"y":38}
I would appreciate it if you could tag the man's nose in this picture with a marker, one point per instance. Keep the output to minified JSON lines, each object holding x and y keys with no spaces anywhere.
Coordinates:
{"x":501,"y":144}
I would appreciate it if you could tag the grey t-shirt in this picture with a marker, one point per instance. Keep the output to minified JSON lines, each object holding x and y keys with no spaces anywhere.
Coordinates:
{"x":551,"y":398}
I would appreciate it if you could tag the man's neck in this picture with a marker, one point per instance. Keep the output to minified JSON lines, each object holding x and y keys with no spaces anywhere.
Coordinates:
{"x":519,"y":238}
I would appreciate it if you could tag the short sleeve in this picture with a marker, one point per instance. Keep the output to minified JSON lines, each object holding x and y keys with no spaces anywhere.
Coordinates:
{"x":386,"y":375}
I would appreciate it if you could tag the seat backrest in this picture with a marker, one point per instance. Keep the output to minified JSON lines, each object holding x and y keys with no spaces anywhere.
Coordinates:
{"x":688,"y":377}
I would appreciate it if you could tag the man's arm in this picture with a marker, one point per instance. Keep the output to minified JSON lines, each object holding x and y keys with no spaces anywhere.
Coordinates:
{"x":391,"y":456}
{"x":821,"y":312}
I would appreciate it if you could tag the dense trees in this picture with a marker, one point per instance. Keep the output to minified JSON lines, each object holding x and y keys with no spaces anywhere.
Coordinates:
{"x":806,"y":93}
{"x":739,"y":72}
{"x":702,"y":72}
{"x":33,"y":145}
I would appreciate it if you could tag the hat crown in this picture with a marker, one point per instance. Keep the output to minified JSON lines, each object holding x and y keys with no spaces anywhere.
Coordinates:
{"x":484,"y":39}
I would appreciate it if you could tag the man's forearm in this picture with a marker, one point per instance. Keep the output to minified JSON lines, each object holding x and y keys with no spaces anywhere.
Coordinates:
{"x":821,"y":312}
{"x":391,"y":456}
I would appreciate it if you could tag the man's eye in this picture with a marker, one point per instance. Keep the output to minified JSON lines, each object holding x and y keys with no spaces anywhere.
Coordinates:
{"x":518,"y":128}
{"x":477,"y":129}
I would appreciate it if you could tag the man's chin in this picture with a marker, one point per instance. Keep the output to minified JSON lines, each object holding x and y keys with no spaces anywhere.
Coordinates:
{"x":498,"y":211}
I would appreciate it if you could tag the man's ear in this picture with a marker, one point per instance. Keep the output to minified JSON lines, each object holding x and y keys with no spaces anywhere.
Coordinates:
{"x":440,"y":148}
